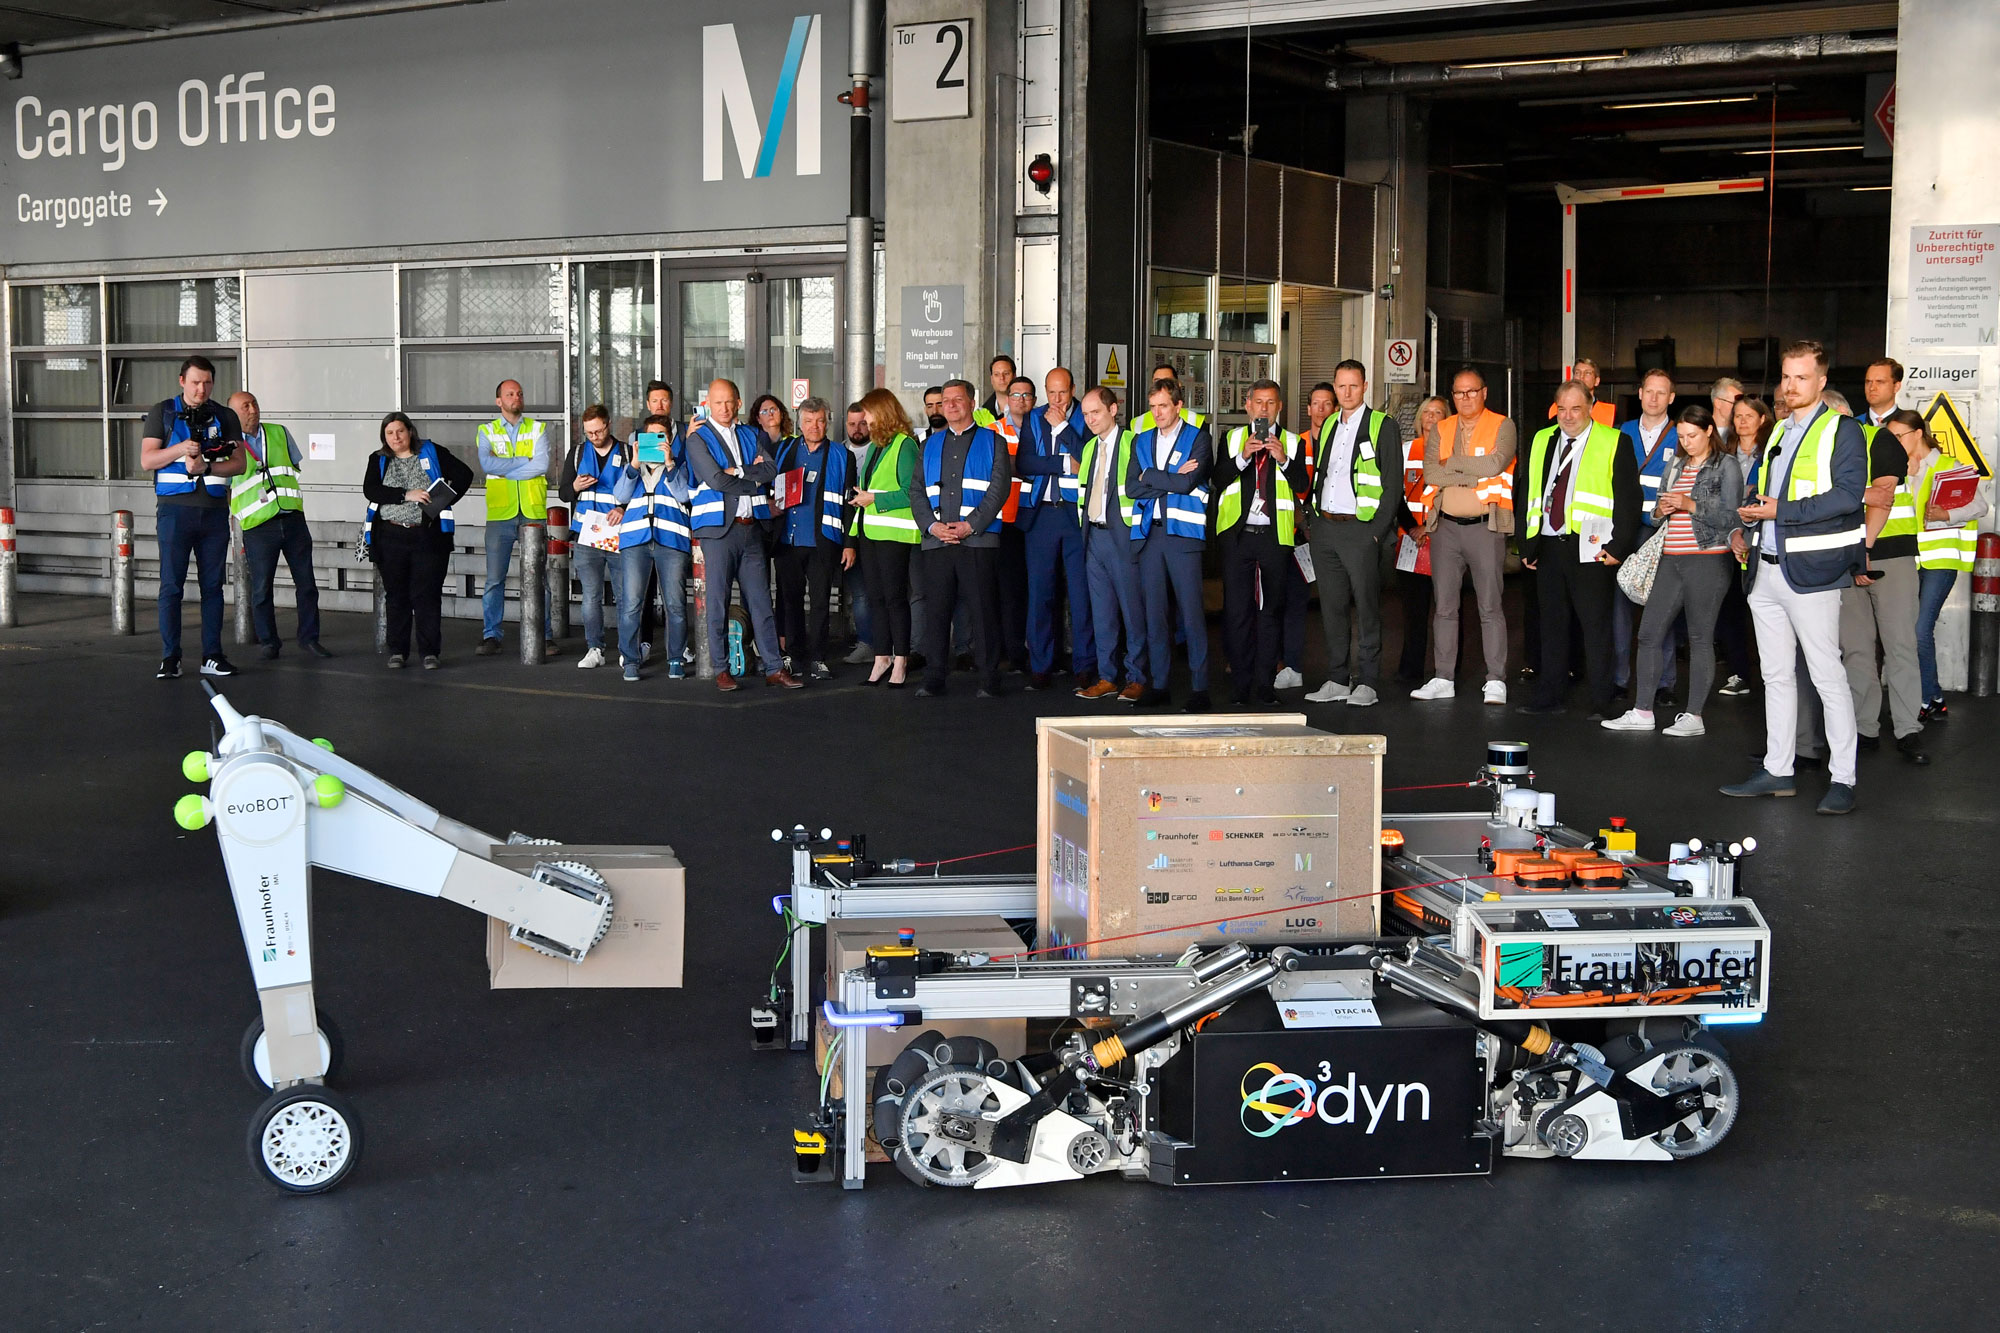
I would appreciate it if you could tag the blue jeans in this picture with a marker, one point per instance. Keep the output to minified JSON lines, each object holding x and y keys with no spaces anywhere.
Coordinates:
{"x":1933,"y":586}
{"x":635,"y":563}
{"x":592,"y":567}
{"x":283,"y":534}
{"x":854,"y":592}
{"x":203,"y":532}
{"x":501,"y":534}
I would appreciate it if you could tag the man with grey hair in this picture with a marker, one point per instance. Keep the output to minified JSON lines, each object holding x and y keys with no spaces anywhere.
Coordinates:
{"x":964,"y":476}
{"x":1722,"y":396}
{"x":811,"y":490}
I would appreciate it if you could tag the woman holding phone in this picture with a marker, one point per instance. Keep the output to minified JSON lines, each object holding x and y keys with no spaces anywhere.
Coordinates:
{"x":1699,"y":492}
{"x":410,"y":485}
{"x":654,"y":539}
{"x":1751,"y":422}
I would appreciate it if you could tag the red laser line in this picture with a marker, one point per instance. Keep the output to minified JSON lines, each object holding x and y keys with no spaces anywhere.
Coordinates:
{"x":1024,"y":847}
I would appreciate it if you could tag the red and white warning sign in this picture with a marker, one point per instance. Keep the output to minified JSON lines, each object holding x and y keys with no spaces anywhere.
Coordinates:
{"x":1402,"y":361}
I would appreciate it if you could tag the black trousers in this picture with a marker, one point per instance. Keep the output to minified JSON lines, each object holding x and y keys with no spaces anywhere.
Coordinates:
{"x":886,"y":567}
{"x":1013,"y":577}
{"x":805,"y":575}
{"x":1567,"y":588}
{"x":967,"y":576}
{"x":1732,"y":631}
{"x":1415,"y":590}
{"x":412,"y":562}
{"x":1250,"y":635}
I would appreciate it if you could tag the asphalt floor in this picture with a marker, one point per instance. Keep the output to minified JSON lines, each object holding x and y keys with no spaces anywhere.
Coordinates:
{"x":621,"y":1159}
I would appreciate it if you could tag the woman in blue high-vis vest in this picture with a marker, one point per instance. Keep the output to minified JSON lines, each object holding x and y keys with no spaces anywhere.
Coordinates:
{"x":410,"y":485}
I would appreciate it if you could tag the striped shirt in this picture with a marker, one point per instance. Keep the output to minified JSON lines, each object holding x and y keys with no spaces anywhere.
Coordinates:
{"x":1680,"y":524}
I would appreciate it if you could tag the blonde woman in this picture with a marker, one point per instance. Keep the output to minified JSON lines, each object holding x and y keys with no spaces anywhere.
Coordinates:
{"x":885,"y":532}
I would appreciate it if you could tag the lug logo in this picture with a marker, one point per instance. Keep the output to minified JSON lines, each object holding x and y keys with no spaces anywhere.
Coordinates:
{"x":1301,"y":923}
{"x":1284,"y":1100}
{"x":725,"y":98}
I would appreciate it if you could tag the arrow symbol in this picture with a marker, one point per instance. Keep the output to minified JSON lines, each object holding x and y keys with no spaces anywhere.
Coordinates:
{"x":159,"y":202}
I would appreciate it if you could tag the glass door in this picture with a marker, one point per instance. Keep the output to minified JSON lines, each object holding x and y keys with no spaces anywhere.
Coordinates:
{"x":714,"y":337}
{"x":775,"y":332}
{"x":804,"y":328}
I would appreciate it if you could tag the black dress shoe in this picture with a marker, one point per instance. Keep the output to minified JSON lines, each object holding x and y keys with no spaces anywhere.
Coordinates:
{"x":1869,"y":742}
{"x":269,"y":652}
{"x":1153,"y":698}
{"x":987,"y":692}
{"x":1266,"y":695}
{"x":1663,"y":702}
{"x":927,"y":692}
{"x":1912,"y":749}
{"x":1541,"y":710}
{"x":1245,"y":699}
{"x":314,"y":649}
{"x":488,"y":648}
{"x":1040,"y":680}
{"x":1198,"y":702}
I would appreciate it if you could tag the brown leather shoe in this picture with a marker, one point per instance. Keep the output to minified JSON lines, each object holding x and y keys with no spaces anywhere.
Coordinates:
{"x":1132,"y":693}
{"x":786,"y":679}
{"x":726,"y":682}
{"x":1098,"y":689}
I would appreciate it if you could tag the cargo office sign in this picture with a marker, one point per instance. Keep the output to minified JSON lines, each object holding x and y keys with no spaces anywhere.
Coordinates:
{"x":610,"y":119}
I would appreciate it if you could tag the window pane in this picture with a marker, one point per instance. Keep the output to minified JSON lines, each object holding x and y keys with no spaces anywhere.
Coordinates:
{"x":712,"y":323}
{"x":615,"y":327}
{"x":141,"y":381}
{"x":61,"y":315}
{"x":802,"y":337}
{"x":462,"y":379}
{"x":125,"y":438}
{"x":499,"y":301}
{"x":54,"y":383}
{"x":1245,"y":314}
{"x":59,"y":448}
{"x":458,"y":437}
{"x":178,"y":310}
{"x":1180,"y":305}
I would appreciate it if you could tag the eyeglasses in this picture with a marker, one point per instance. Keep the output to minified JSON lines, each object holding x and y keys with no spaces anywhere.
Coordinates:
{"x":1466,"y":393}
{"x":1030,"y":397}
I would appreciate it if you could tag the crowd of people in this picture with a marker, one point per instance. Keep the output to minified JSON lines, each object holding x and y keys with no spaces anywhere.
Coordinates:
{"x":977,"y":536}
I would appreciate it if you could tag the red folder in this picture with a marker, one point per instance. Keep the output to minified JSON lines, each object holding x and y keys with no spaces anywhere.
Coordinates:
{"x":1954,"y":487}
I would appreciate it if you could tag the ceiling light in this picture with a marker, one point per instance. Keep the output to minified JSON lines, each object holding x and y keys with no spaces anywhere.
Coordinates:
{"x":1544,"y":60}
{"x":1814,"y":148}
{"x":1684,"y":101}
{"x":1864,"y":189}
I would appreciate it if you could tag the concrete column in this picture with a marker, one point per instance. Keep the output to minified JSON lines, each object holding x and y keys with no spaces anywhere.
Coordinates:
{"x":1947,"y":116}
{"x":1388,"y":144}
{"x":938,"y":210}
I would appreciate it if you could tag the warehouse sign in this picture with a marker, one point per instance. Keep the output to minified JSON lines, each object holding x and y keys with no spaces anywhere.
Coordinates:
{"x":526,"y":121}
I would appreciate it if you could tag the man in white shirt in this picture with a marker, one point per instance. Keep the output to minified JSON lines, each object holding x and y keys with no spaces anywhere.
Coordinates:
{"x":1353,"y":513}
{"x":1107,"y":470}
{"x":1880,"y":384}
{"x":1722,"y":396}
{"x":1653,"y":442}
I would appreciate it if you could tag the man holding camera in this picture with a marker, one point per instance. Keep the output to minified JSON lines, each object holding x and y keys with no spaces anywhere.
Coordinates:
{"x":1261,"y":473}
{"x":192,"y":446}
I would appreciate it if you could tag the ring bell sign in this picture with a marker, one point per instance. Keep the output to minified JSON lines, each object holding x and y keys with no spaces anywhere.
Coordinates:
{"x":631,"y":118}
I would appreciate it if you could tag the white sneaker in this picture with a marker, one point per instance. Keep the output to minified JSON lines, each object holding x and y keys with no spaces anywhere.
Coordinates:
{"x":1288,"y":679}
{"x":1495,"y":692}
{"x":1332,"y":692}
{"x":1687,"y":724}
{"x":1437,"y":687}
{"x":1632,"y":719}
{"x":593,"y":658}
{"x":1361,"y":696}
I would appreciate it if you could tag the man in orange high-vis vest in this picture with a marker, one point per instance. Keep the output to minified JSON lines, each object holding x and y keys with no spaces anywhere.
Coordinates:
{"x":1469,"y":513}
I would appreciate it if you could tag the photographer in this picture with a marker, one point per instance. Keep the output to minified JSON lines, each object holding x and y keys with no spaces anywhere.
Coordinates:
{"x":1260,"y":474}
{"x":192,"y":447}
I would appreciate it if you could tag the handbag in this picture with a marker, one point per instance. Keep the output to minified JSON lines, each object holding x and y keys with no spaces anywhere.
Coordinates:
{"x":1637,"y":570}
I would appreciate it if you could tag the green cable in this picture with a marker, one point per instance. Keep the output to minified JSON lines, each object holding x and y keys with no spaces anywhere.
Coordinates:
{"x":826,"y":1074}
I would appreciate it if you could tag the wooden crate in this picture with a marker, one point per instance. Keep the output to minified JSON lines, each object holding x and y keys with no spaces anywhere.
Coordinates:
{"x":1151,"y":833}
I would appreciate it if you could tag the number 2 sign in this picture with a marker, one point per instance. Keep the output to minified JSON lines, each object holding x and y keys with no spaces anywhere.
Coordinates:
{"x":930,"y":71}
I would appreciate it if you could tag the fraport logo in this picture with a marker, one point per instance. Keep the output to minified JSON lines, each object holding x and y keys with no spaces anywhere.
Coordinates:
{"x":725,"y":97}
{"x":1284,"y":1100}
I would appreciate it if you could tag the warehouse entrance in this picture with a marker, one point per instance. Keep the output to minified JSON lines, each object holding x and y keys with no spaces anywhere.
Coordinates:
{"x":771,"y":330}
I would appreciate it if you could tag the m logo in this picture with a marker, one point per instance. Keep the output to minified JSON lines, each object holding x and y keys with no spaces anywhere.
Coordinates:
{"x":725,"y":96}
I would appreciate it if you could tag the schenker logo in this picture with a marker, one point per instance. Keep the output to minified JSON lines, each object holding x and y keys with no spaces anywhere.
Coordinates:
{"x":1283,"y":1100}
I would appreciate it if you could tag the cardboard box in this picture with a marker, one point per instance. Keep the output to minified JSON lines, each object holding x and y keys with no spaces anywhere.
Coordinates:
{"x":847,"y":947}
{"x":1205,"y":829}
{"x":647,"y":939}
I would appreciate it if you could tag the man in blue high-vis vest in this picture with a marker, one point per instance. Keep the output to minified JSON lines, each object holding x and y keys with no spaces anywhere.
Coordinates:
{"x":192,"y":446}
{"x":963,"y":481}
{"x":731,"y":503}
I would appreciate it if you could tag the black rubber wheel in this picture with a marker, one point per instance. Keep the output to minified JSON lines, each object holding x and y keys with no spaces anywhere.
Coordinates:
{"x":246,"y":1051}
{"x":305,"y":1139}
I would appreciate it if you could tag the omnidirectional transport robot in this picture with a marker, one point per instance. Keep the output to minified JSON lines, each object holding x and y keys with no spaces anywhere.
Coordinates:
{"x":1528,"y":990}
{"x":282,"y":805}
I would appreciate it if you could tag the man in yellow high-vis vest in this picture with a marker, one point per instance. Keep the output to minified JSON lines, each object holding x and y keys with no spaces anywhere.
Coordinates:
{"x":1581,"y":507}
{"x":514,"y":454}
{"x":269,"y":508}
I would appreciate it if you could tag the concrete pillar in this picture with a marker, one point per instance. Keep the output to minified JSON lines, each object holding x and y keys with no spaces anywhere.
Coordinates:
{"x":938,"y":207}
{"x":1947,"y":117}
{"x":1388,"y":144}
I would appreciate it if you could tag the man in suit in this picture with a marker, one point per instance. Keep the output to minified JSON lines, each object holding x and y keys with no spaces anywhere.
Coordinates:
{"x":733,"y":471}
{"x":1802,"y":535}
{"x":1107,"y":471}
{"x":1262,"y":471}
{"x":1582,"y":502}
{"x":963,"y":480}
{"x":1174,"y":458}
{"x":1353,"y":513}
{"x":1047,"y":462}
